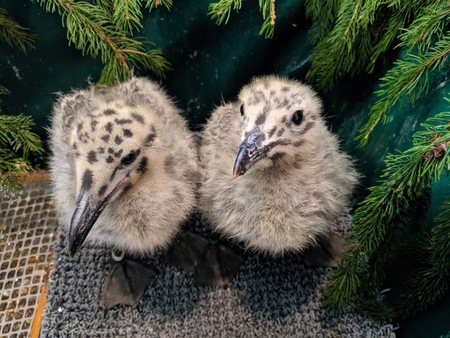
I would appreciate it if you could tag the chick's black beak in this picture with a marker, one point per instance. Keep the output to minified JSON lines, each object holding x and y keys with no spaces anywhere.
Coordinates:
{"x":86,"y":213}
{"x":83,"y":219}
{"x":251,"y":151}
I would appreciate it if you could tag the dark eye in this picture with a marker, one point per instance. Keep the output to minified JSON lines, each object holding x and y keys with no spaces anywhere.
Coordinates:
{"x":297,"y":118}
{"x":129,"y":158}
{"x":242,"y":110}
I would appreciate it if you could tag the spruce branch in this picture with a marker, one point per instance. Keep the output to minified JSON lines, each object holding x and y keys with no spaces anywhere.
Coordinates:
{"x":15,"y":133}
{"x":152,"y":4}
{"x":269,"y":16}
{"x":127,"y":15}
{"x":11,"y":169}
{"x":16,"y":138}
{"x":405,"y":180}
{"x":352,"y":35}
{"x":16,"y":142}
{"x":375,"y":307}
{"x":408,"y":76}
{"x":3,"y":91}
{"x":427,"y":27}
{"x":323,"y":15}
{"x":349,"y":33}
{"x":346,"y":49}
{"x":96,"y":30}
{"x":429,"y":281}
{"x":221,"y":11}
{"x":389,"y":34}
{"x":15,"y":35}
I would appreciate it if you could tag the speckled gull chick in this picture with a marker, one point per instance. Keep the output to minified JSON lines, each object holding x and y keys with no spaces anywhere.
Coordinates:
{"x":124,"y":166}
{"x":273,"y":177}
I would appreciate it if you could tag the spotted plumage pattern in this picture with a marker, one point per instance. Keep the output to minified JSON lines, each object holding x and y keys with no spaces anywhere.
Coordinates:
{"x":125,"y":155}
{"x":273,"y":176}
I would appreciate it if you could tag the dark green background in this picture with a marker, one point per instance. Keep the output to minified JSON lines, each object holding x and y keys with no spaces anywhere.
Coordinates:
{"x":210,"y":64}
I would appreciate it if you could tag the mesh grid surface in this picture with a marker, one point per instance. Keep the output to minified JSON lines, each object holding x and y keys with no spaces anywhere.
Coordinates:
{"x":28,"y":231}
{"x":252,"y":306}
{"x":269,"y":297}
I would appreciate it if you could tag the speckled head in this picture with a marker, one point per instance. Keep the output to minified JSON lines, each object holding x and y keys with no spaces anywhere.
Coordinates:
{"x":278,"y":116}
{"x":111,"y":146}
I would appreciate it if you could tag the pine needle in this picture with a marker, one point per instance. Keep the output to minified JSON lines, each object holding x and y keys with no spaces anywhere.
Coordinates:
{"x":428,"y":27}
{"x":346,"y":49}
{"x":429,"y":281}
{"x":406,"y":182}
{"x":152,"y":4}
{"x":103,"y":31}
{"x":351,"y":36}
{"x":127,"y":15}
{"x":407,"y":76}
{"x":16,"y":138}
{"x":15,"y":35}
{"x":323,"y":15}
{"x":16,"y":142}
{"x":221,"y":11}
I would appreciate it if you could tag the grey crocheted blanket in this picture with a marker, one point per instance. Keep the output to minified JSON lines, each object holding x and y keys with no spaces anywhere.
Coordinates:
{"x":269,"y":297}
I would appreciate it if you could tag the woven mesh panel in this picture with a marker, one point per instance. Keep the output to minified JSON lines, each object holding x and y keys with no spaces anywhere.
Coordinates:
{"x":28,"y":232}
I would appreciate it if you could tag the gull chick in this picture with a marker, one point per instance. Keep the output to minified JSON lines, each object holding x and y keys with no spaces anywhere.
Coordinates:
{"x":273,"y":176}
{"x":123,"y":167}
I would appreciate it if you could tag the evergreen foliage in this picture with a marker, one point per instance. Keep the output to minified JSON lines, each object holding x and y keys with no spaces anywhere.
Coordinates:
{"x":351,"y":36}
{"x":105,"y":28}
{"x":221,"y":12}
{"x":15,"y":35}
{"x":16,"y":142}
{"x":429,"y":280}
{"x":16,"y":138}
{"x":383,"y":217}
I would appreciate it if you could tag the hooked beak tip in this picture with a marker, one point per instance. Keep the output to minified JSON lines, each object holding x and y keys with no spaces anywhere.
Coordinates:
{"x":86,"y":213}
{"x":236,"y":173}
{"x":76,"y":239}
{"x":250,"y":151}
{"x":83,"y":218}
{"x":73,"y":247}
{"x":242,"y":159}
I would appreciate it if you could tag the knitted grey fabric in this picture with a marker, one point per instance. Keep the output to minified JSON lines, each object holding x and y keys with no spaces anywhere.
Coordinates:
{"x":269,"y":297}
